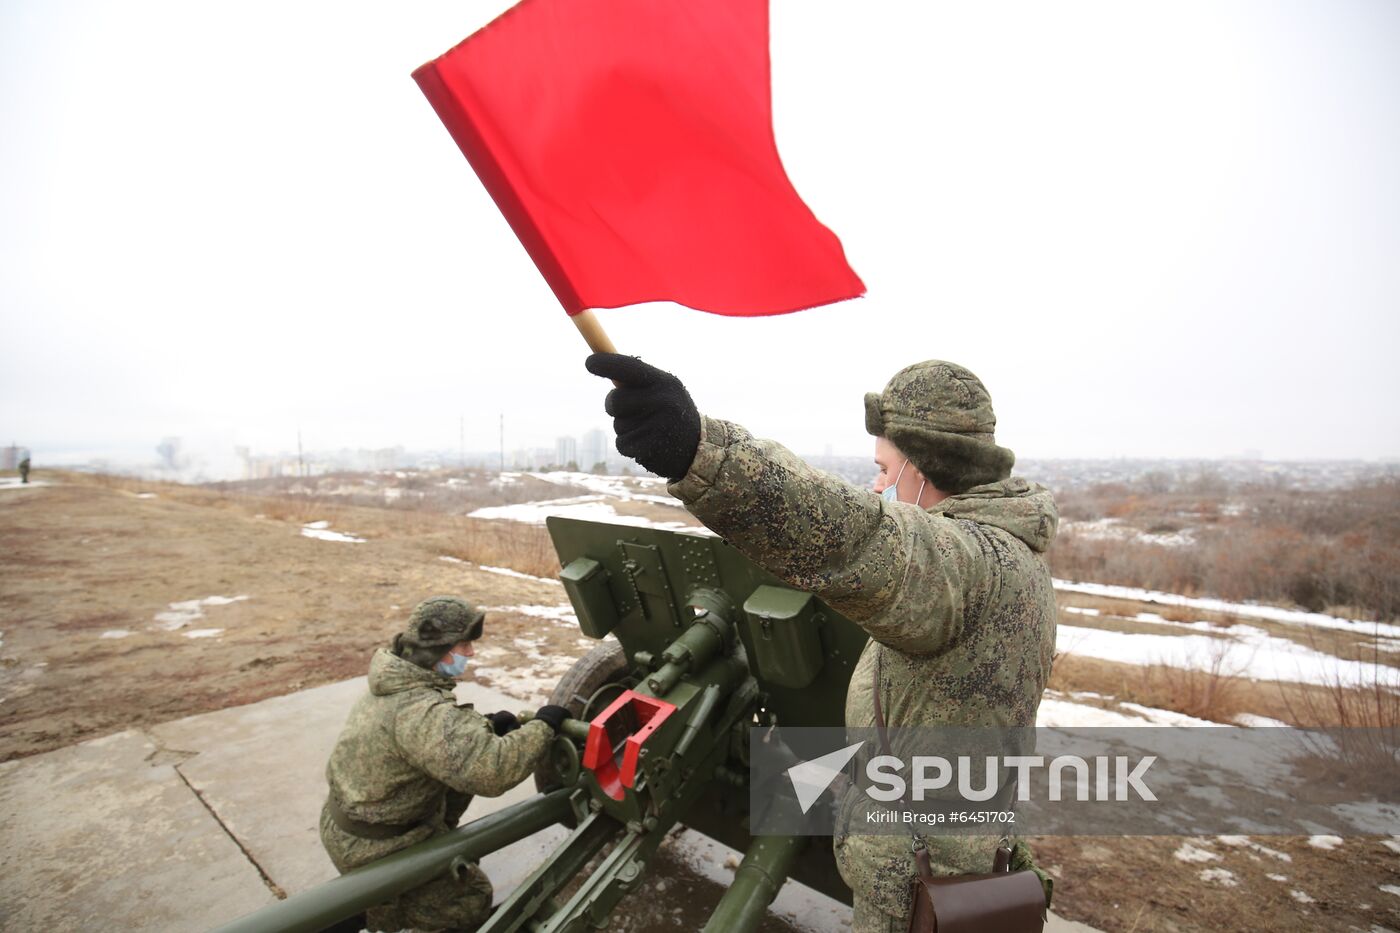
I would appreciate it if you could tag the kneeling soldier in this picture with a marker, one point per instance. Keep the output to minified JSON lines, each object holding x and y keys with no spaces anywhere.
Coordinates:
{"x":409,"y":760}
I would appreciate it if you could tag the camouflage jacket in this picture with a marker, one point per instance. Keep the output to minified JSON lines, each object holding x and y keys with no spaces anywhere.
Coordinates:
{"x":956,"y":598}
{"x":408,"y":753}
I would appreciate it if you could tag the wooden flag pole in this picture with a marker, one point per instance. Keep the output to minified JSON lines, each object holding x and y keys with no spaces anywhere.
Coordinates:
{"x":593,"y":333}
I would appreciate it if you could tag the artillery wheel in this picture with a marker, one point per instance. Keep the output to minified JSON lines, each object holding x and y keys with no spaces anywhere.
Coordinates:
{"x":603,"y":666}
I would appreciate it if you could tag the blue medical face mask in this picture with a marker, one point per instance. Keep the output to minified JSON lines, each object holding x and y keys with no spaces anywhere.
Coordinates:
{"x":455,"y":669}
{"x":891,"y":492}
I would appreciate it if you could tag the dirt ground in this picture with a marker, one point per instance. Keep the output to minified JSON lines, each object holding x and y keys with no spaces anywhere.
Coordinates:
{"x":79,"y":560}
{"x":89,"y":557}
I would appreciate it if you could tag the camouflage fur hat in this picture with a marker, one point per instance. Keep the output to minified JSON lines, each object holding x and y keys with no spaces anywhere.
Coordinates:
{"x":437,"y":623}
{"x":940,"y":415}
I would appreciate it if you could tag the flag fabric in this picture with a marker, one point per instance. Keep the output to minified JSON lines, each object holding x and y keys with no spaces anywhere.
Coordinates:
{"x":630,"y":145}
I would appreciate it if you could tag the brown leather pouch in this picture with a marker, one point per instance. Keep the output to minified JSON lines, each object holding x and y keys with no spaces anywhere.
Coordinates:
{"x":1000,"y":902}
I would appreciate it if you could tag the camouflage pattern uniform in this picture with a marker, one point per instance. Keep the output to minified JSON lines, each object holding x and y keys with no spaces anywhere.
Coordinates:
{"x":957,"y":598}
{"x":409,"y":754}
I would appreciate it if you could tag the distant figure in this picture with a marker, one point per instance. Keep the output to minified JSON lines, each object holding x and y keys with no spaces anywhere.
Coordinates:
{"x":409,"y":760}
{"x":24,"y":469}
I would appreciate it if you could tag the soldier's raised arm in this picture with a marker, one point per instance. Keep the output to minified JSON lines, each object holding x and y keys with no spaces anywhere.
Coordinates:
{"x":904,"y":574}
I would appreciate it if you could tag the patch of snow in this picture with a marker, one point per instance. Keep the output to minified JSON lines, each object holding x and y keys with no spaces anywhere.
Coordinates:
{"x":1251,"y":610}
{"x":586,"y":508}
{"x":1246,"y":651}
{"x":1164,"y":717}
{"x":1080,"y":611}
{"x":1301,"y":896}
{"x":1222,"y":875}
{"x":1247,"y":843}
{"x":561,"y":614}
{"x":1113,"y":529}
{"x":12,"y":482}
{"x":183,"y":613}
{"x":1393,"y":844}
{"x":1277,"y":877}
{"x":1391,"y":889}
{"x":451,"y":560}
{"x":1326,"y":843}
{"x":1190,"y":853}
{"x":618,"y":487}
{"x":115,"y":633}
{"x":1255,"y":721}
{"x":203,"y":632}
{"x":145,"y":495}
{"x":506,"y":571}
{"x":1058,"y":712}
{"x":319,"y":530}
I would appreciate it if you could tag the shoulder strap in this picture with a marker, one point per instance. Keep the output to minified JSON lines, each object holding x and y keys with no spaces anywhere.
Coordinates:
{"x":921,"y":860}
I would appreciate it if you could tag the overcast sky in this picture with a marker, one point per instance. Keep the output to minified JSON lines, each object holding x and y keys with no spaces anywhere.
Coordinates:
{"x":1153,"y":229}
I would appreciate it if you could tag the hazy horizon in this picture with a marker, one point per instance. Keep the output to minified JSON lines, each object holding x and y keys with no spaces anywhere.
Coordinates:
{"x":1154,"y":230}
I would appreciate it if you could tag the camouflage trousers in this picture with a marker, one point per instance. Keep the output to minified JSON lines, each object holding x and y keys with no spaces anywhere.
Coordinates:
{"x":450,"y":903}
{"x":868,"y":918}
{"x":461,"y":903}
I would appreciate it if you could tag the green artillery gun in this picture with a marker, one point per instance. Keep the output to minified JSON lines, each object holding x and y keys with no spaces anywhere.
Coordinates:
{"x":701,"y":647}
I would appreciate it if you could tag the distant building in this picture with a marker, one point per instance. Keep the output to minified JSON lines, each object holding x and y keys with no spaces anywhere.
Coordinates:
{"x":10,"y":457}
{"x":593,"y":450}
{"x":566,"y":451}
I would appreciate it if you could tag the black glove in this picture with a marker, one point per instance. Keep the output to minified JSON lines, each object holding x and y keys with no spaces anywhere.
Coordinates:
{"x":554,"y":716}
{"x":656,"y":422}
{"x":503,"y":722}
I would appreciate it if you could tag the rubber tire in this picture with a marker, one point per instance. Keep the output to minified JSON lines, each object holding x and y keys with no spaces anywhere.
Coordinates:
{"x":605,"y":663}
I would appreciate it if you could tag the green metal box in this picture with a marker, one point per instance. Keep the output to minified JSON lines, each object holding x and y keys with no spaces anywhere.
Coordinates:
{"x":586,"y":582}
{"x":786,"y":638}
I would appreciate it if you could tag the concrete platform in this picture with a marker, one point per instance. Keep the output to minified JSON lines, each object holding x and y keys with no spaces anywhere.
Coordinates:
{"x":195,"y":822}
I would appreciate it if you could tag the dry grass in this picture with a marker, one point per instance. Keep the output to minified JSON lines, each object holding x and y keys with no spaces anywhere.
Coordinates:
{"x":525,"y":548}
{"x":1213,"y":696}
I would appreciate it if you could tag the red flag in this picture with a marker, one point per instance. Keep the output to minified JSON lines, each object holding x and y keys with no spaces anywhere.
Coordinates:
{"x":630,"y":145}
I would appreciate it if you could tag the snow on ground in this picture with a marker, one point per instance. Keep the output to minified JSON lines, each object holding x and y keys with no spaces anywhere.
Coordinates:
{"x":115,"y":633}
{"x":1064,"y":711}
{"x":506,"y":571}
{"x":1256,"y":721}
{"x":12,"y":482}
{"x":1244,"y":842}
{"x":1326,"y":843}
{"x":1246,"y":651}
{"x":1249,"y":610}
{"x":587,"y":508}
{"x":1391,"y":889}
{"x":619,"y":487}
{"x":1190,"y":853}
{"x":1113,"y":529}
{"x":145,"y":495}
{"x":191,"y":610}
{"x":203,"y":633}
{"x":1221,"y":876}
{"x":320,"y":530}
{"x":564,"y":615}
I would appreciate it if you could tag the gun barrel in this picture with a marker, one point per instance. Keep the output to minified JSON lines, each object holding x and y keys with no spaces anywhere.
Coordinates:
{"x":764,"y":869}
{"x":380,"y":881}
